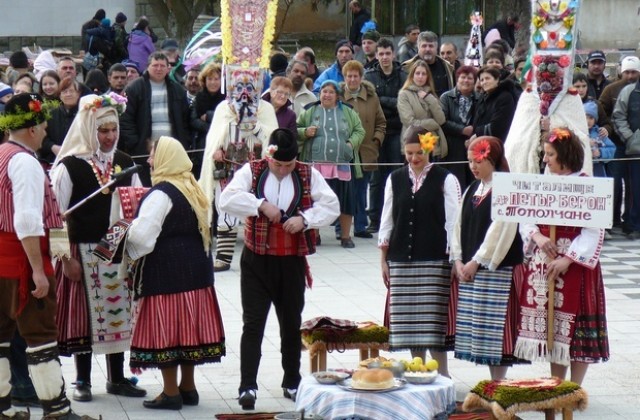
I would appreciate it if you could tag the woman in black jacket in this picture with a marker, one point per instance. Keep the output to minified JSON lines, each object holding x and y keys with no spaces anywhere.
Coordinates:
{"x":459,"y":105}
{"x":202,"y":109}
{"x":61,"y":119}
{"x":496,"y":106}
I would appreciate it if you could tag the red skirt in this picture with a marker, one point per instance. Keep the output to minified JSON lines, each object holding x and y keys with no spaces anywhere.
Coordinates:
{"x":178,"y":328}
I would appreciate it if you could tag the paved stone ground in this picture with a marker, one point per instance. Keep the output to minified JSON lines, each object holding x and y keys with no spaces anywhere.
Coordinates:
{"x":348,"y":285}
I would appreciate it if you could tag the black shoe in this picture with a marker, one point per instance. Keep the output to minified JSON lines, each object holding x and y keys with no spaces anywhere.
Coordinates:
{"x":26,"y":401}
{"x":164,"y":402}
{"x":125,"y":388}
{"x":347,"y":243}
{"x":82,"y":392}
{"x":290,"y":393}
{"x":190,"y":397}
{"x":363,"y":234}
{"x":373,"y":228}
{"x":247,"y":399}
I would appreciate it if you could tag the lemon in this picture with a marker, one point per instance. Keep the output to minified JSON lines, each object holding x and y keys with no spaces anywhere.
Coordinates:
{"x":431,"y":365}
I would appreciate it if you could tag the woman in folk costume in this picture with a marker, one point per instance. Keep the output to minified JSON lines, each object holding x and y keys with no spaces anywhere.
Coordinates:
{"x":177,"y":321}
{"x":94,"y":304}
{"x":419,"y":198}
{"x":573,"y":260}
{"x":242,"y":125}
{"x":484,"y":253}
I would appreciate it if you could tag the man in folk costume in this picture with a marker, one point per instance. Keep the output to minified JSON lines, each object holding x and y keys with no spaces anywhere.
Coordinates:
{"x":283,"y":201}
{"x":242,"y":125}
{"x":28,"y":211}
{"x":94,"y":310}
{"x":550,"y":101}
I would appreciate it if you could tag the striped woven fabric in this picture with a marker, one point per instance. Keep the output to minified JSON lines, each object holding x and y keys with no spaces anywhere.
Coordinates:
{"x":419,"y":304}
{"x":482,"y":309}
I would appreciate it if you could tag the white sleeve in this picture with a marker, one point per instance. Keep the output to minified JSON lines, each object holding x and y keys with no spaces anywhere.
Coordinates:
{"x":585,"y":248}
{"x":62,"y":186}
{"x":236,"y":198}
{"x":326,"y":207}
{"x":455,"y":246}
{"x":145,"y":229}
{"x":27,"y":178}
{"x":452,"y":195}
{"x":386,"y":218}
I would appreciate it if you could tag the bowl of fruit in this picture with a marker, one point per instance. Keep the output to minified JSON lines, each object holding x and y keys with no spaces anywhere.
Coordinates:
{"x":395,"y":366}
{"x":418,"y":372}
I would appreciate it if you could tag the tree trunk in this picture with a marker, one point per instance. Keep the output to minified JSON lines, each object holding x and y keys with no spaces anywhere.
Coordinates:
{"x":177,"y":17}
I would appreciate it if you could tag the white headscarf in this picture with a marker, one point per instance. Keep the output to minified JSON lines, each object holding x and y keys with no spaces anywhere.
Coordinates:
{"x":82,"y":138}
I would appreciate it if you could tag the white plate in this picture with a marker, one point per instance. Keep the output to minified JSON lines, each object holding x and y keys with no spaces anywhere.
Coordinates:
{"x":347,"y":385}
{"x":421,"y":379}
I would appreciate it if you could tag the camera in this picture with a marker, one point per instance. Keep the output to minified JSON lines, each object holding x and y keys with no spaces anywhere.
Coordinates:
{"x":220,"y":174}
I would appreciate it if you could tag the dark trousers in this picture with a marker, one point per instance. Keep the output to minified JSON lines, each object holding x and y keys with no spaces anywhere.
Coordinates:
{"x":360,"y":220}
{"x":620,"y":172}
{"x":390,"y":152}
{"x":115,"y":367}
{"x":265,"y":280}
{"x":21,"y":385}
{"x":634,"y":202}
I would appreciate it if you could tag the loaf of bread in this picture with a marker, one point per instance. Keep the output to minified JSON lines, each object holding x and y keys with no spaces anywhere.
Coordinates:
{"x":372,"y":379}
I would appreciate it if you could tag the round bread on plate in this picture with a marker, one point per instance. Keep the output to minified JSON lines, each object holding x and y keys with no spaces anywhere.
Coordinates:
{"x":371,"y":379}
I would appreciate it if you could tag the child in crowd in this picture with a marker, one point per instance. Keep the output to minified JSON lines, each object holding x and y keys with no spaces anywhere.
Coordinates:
{"x":601,"y":148}
{"x":5,"y":94}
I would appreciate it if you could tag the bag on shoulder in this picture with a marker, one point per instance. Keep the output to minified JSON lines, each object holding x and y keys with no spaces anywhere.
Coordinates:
{"x":90,"y":61}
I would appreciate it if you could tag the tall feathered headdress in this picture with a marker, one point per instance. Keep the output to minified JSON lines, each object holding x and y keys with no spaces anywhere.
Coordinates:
{"x":248,"y":27}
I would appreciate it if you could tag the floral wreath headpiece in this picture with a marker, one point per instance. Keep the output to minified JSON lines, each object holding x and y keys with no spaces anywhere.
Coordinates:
{"x":481,"y":151}
{"x":560,"y":134}
{"x":428,"y":142}
{"x":110,"y":99}
{"x":39,"y":111}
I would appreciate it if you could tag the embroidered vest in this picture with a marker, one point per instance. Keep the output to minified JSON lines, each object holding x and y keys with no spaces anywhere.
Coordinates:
{"x":475,"y":223}
{"x":178,"y":262}
{"x":265,"y":238}
{"x":51,"y":212}
{"x":418,"y":219}
{"x":90,"y":221}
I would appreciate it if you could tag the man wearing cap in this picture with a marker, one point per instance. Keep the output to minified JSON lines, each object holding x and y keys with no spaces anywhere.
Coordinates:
{"x":133,"y":70}
{"x":630,"y":71}
{"x":626,"y":121}
{"x":119,"y":50}
{"x":170,"y":48}
{"x":343,"y":53}
{"x":360,"y":17}
{"x":369,"y":43}
{"x":597,"y":81}
{"x":283,"y":202}
{"x":27,"y":286}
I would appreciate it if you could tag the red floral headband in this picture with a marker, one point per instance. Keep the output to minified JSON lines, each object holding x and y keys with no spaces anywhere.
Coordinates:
{"x":481,"y":150}
{"x":559,"y":134}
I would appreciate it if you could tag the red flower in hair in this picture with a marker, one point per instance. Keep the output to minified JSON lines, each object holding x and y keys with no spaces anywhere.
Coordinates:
{"x":559,"y":134}
{"x":481,"y":150}
{"x":35,"y":105}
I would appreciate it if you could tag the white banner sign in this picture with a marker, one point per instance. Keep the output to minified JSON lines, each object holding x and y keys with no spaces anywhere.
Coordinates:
{"x":552,"y":200}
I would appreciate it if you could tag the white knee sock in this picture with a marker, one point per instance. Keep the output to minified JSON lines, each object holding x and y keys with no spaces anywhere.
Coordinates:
{"x":46,"y":376}
{"x":5,"y":372}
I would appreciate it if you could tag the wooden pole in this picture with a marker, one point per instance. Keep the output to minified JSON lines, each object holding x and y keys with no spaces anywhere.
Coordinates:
{"x":551,"y":282}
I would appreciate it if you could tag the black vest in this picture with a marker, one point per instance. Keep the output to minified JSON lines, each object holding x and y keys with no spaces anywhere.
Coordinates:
{"x":90,"y":222}
{"x":178,"y":262}
{"x":474,"y":226}
{"x":418,"y":219}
